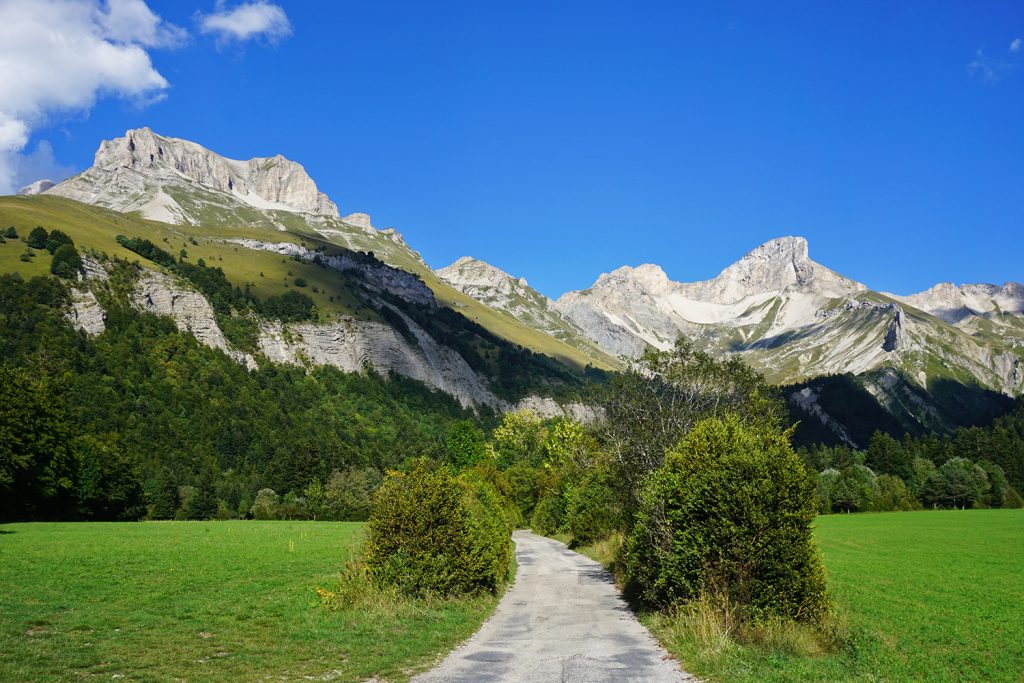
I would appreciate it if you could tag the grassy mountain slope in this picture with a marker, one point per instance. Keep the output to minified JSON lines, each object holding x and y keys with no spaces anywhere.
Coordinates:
{"x":266,"y":273}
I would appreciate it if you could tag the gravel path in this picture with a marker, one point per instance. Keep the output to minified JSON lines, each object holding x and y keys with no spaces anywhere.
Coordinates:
{"x":562,"y":620}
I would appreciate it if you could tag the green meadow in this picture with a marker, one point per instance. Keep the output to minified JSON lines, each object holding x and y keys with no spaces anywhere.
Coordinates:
{"x":927,"y":596}
{"x":933,"y":595}
{"x":204,"y":601}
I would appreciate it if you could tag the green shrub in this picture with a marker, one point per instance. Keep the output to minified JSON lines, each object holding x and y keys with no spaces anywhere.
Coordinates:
{"x":593,"y":507}
{"x":265,"y":506}
{"x":11,"y":233}
{"x":38,"y":237}
{"x":549,"y":515}
{"x":56,"y":239}
{"x":66,"y":261}
{"x":434,"y":533}
{"x":729,"y":516}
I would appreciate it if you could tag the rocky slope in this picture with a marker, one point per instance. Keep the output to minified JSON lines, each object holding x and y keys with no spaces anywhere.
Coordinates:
{"x":499,"y":290}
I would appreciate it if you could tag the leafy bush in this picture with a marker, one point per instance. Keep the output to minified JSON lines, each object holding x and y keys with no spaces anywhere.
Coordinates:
{"x":11,"y":233}
{"x":593,"y":507}
{"x":729,"y":516}
{"x":38,"y":237}
{"x":265,"y":506}
{"x":56,"y":239}
{"x":66,"y":262}
{"x":434,"y":533}
{"x":549,"y":515}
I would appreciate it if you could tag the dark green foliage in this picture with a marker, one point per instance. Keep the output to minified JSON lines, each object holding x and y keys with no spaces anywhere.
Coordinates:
{"x":349,"y":493}
{"x":729,"y":516}
{"x":288,"y":307}
{"x":464,"y":443}
{"x":844,"y":397}
{"x":434,"y":533}
{"x":108,"y":487}
{"x":300,"y":282}
{"x":10,"y":233}
{"x":37,"y":464}
{"x":176,"y":405}
{"x":548,"y":515}
{"x":163,"y":495}
{"x":203,"y":503}
{"x":241,"y":330}
{"x":66,"y":262}
{"x":594,"y":506}
{"x":959,"y":483}
{"x":147,"y":250}
{"x":56,"y":239}
{"x":38,"y":237}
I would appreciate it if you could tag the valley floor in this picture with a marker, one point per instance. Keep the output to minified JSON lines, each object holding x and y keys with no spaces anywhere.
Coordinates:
{"x":929,"y":596}
{"x":203,"y":601}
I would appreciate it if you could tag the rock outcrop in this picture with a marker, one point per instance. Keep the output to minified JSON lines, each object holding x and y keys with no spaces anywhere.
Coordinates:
{"x":377,"y":276}
{"x":86,"y":314}
{"x":161,"y":295}
{"x":351,"y":345}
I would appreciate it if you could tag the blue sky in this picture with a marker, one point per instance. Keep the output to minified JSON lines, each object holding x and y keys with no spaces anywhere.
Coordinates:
{"x":561,"y":140}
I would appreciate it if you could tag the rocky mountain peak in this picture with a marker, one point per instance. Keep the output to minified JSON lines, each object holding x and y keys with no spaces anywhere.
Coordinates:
{"x":142,"y":170}
{"x":38,"y":187}
{"x":777,"y":265}
{"x":470,"y":272}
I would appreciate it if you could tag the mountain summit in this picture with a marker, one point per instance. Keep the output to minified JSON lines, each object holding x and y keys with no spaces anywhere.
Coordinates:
{"x":777,"y":265}
{"x":175,"y":181}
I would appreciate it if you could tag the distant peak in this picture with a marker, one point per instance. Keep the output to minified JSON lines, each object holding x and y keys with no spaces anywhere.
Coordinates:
{"x":38,"y":187}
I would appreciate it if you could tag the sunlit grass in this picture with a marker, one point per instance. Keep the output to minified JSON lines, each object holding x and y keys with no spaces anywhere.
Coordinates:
{"x":205,"y":601}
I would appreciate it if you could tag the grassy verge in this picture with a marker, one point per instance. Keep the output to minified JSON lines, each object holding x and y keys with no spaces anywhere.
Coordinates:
{"x":205,"y":601}
{"x":927,"y":596}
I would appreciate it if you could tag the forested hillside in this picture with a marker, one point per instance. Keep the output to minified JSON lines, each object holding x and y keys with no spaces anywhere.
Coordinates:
{"x":97,"y":427}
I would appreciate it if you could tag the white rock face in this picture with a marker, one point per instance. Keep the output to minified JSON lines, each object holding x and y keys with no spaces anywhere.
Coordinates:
{"x":159,"y":294}
{"x":351,"y":345}
{"x":38,"y":187}
{"x":142,"y":171}
{"x":547,"y":408}
{"x":86,"y":314}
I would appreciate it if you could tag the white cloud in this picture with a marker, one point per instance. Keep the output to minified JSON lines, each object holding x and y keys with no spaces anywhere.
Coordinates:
{"x":989,"y":70}
{"x":131,"y":21}
{"x":1015,"y":45}
{"x":59,"y":56}
{"x":251,"y":20}
{"x":39,"y":164}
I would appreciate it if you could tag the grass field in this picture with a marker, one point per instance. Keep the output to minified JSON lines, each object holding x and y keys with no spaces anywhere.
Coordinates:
{"x":936,"y":595}
{"x":203,"y":601}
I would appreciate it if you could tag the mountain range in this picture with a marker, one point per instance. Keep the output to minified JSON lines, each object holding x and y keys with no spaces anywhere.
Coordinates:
{"x":791,"y":318}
